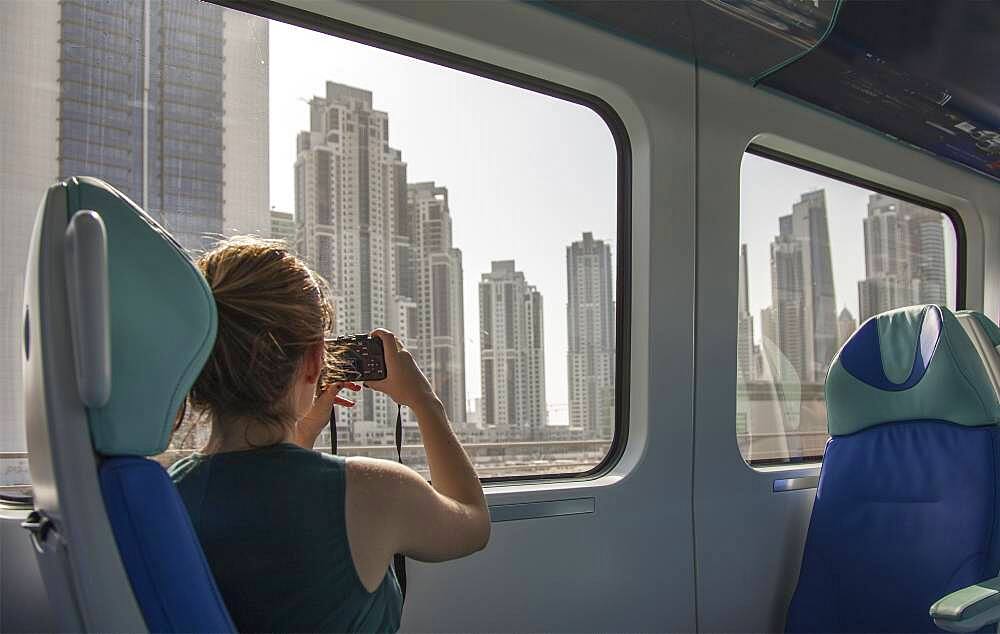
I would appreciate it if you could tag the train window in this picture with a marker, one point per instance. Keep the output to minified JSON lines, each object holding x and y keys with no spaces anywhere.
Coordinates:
{"x":819,"y":254}
{"x":482,"y":224}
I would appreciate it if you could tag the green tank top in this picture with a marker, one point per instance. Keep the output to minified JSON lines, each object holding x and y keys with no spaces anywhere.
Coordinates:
{"x":271,"y":522}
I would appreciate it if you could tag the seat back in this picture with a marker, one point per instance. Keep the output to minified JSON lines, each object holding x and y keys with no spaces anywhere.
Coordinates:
{"x":170,"y":578}
{"x":906,"y":509}
{"x":118,"y":325}
{"x":985,"y":337}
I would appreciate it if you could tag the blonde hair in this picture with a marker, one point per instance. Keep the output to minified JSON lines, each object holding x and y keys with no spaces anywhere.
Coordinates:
{"x":271,"y":310}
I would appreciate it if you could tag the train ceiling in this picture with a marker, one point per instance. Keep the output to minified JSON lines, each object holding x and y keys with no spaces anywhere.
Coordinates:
{"x":925,"y":73}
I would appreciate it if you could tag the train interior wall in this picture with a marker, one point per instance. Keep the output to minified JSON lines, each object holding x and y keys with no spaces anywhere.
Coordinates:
{"x":684,"y":535}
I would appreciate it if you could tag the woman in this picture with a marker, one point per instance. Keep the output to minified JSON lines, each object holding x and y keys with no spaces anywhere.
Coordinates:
{"x":300,"y":540}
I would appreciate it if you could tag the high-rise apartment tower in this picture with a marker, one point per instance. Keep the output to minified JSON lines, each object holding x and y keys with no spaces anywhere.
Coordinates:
{"x":436,"y":269}
{"x":590,"y":316}
{"x":511,"y":339}
{"x":350,"y":186}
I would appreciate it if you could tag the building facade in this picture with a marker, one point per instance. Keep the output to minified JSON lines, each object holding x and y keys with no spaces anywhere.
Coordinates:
{"x":803,"y":301}
{"x":745,"y":346}
{"x":590,"y":316}
{"x":246,"y":179}
{"x":350,"y":186}
{"x":283,"y":227}
{"x":176,"y":120}
{"x":28,"y":166}
{"x":512,"y":354}
{"x":788,"y":317}
{"x":846,"y":325}
{"x":927,"y":256}
{"x":435,"y":272}
{"x":384,"y":247}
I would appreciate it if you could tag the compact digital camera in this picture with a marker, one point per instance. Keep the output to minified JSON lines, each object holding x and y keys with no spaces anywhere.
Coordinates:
{"x":363,"y":357}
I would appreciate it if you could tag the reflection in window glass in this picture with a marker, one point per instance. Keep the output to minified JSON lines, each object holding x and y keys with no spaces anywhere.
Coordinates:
{"x":818,"y":257}
{"x":452,"y":209}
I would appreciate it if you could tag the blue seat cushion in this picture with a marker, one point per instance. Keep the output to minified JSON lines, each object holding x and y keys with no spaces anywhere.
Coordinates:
{"x":170,"y":578}
{"x":905,"y":513}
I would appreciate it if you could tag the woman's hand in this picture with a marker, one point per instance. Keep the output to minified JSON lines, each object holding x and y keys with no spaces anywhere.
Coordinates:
{"x":308,"y":428}
{"x":404,"y":382}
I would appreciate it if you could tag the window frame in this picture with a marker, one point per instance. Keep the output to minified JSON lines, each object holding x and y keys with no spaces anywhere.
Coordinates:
{"x":623,"y":149}
{"x":792,"y":160}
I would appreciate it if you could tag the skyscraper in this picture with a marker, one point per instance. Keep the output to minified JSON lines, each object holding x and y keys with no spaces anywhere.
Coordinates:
{"x":927,"y":264}
{"x":789,"y":320}
{"x":904,"y":256}
{"x":590,"y":316}
{"x":744,"y":325}
{"x":767,"y":323}
{"x":846,"y":325}
{"x":803,"y":301}
{"x":512,"y":359}
{"x":350,"y":189}
{"x":879,"y":294}
{"x":176,"y":120}
{"x":436,"y":265}
{"x":810,"y":226}
{"x":887,"y":282}
{"x":887,"y":238}
{"x":283,"y":227}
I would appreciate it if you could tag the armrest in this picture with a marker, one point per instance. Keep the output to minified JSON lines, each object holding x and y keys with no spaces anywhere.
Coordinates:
{"x":969,"y":609}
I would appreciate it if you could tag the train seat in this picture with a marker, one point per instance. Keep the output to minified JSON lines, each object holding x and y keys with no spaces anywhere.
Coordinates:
{"x":906,"y":514}
{"x":985,"y":337}
{"x":118,"y":325}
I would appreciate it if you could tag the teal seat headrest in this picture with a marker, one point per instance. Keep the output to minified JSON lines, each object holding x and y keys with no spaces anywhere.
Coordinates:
{"x":162,"y":323}
{"x":914,"y":363}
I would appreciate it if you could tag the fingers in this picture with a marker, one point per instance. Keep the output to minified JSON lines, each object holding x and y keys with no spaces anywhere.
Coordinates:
{"x":389,"y":340}
{"x":350,"y":385}
{"x":391,"y":349}
{"x":332,"y":397}
{"x":343,"y":402}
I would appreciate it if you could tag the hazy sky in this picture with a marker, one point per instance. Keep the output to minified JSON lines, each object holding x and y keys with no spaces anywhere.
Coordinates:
{"x":769,"y":189}
{"x":526,"y":174}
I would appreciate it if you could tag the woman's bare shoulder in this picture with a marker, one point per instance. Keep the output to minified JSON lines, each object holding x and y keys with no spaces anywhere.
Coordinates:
{"x":376,"y":477}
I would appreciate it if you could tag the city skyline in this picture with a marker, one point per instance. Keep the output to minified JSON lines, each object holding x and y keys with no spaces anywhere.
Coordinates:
{"x":769,"y":188}
{"x":904,"y":258}
{"x":526,"y":173}
{"x":385,"y":247}
{"x":780,"y":408}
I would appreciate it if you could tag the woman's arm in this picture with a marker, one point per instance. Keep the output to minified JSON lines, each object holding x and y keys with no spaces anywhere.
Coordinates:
{"x":391,"y":508}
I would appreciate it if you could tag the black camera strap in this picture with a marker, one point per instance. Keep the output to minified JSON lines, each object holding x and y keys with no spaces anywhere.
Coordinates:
{"x":398,"y":560}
